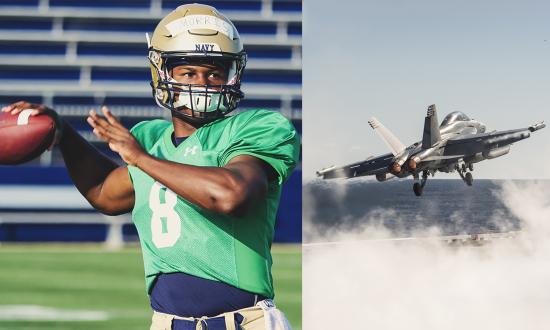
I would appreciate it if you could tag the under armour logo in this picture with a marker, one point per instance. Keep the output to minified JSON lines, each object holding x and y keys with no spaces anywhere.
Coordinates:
{"x":192,"y":150}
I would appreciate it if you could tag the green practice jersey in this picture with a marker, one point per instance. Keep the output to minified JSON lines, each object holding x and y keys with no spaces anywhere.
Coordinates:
{"x":178,"y":236}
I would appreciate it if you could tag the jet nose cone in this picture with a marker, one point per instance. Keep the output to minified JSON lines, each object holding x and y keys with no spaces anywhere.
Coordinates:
{"x":537,"y":126}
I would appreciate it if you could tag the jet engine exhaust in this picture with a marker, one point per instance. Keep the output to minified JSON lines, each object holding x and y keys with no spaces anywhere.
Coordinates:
{"x":412,"y":164}
{"x":395,"y":169}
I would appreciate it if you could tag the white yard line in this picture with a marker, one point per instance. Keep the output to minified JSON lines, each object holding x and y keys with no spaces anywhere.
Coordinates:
{"x":42,"y":313}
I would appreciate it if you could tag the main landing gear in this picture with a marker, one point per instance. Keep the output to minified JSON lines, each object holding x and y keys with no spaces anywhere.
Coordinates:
{"x":419,"y":186}
{"x":464,"y":175}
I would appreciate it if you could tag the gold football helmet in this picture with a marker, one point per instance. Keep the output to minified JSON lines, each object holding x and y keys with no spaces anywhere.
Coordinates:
{"x":192,"y":34}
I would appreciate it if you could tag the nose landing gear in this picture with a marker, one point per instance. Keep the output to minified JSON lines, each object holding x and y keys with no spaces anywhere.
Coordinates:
{"x":466,"y":176}
{"x":469,"y":179}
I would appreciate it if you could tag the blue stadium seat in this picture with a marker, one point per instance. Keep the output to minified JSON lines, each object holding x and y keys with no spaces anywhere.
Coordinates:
{"x":9,"y":99}
{"x":131,"y":122}
{"x":29,"y":3}
{"x":268,"y":52}
{"x":295,"y":29}
{"x":288,"y":227}
{"x":233,"y":5}
{"x":78,"y":123}
{"x":127,"y":4}
{"x":32,"y":175}
{"x":108,"y":24}
{"x":110,"y":49}
{"x":298,"y":125}
{"x":25,"y":23}
{"x":260,"y":103}
{"x":266,"y":28}
{"x":73,"y":100}
{"x":53,"y":232}
{"x":130,"y":101}
{"x":39,"y":73}
{"x":32,"y":48}
{"x":272,"y":76}
{"x":117,"y":74}
{"x":287,"y":6}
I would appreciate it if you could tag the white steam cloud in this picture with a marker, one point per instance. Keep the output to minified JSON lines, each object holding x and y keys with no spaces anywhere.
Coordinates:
{"x":429,"y":284}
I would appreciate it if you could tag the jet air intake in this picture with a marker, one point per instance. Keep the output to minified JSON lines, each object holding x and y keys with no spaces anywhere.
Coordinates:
{"x":416,"y":159}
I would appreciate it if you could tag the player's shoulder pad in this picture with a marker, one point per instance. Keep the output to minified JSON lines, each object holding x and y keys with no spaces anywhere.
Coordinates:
{"x":149,"y":131}
{"x":264,"y":134}
{"x":261,"y":117}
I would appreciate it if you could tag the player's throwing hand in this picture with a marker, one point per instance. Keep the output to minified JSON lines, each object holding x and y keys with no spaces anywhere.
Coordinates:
{"x":120,"y":140}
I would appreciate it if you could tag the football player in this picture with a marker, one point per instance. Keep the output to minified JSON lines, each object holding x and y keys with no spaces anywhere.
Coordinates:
{"x":204,"y":188}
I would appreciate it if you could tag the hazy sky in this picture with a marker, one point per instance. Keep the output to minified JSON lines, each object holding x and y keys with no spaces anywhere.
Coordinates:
{"x":391,"y":59}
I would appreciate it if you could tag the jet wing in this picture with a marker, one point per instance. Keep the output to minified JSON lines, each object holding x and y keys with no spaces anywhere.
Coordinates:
{"x":370,"y":166}
{"x":470,"y":144}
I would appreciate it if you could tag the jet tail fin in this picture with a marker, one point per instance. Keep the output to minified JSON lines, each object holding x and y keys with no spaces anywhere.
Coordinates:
{"x":431,"y":129}
{"x":393,"y":143}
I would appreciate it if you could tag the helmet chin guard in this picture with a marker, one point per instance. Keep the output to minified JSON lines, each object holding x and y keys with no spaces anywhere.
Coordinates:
{"x":196,"y":34}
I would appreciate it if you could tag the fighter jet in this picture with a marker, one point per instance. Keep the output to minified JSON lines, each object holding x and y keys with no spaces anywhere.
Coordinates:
{"x":455,"y":145}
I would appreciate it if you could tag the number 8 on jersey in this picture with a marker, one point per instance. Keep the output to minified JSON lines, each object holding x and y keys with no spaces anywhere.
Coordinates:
{"x":165,"y":222}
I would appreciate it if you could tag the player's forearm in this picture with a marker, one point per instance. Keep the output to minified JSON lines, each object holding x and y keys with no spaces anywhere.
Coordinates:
{"x":216,"y":189}
{"x":87,"y":167}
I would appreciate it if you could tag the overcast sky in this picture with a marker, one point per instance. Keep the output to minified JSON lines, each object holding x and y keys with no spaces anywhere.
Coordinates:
{"x":391,"y":59}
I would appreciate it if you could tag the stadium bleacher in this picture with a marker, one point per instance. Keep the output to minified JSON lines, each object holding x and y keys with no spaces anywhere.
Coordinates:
{"x":78,"y":55}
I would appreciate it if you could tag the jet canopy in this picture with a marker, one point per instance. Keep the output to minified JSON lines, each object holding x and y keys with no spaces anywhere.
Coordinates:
{"x":454,"y":117}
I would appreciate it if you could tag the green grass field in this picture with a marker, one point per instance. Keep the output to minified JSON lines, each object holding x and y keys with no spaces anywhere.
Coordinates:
{"x":84,"y":278}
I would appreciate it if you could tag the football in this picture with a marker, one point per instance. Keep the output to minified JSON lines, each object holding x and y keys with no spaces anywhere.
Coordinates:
{"x":24,"y":137}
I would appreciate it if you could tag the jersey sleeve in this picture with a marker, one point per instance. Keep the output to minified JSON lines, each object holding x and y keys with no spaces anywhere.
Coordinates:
{"x":268,"y":136}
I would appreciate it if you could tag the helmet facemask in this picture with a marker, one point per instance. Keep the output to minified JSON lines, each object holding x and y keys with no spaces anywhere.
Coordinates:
{"x":193,"y":102}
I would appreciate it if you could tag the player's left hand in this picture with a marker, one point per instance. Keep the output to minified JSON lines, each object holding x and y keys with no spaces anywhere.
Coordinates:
{"x":120,"y":140}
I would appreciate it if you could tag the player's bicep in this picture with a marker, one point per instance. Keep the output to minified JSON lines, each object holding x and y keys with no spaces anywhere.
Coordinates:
{"x":253,"y":173}
{"x":116,"y":194}
{"x":252,"y":167}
